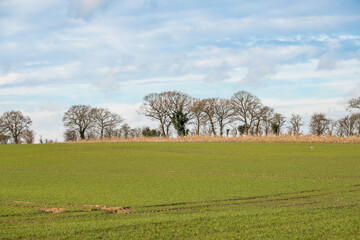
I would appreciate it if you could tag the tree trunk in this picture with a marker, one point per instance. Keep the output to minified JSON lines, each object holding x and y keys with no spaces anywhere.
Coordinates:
{"x":82,"y":134}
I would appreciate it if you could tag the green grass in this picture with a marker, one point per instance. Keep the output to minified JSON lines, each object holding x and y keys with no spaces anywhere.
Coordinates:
{"x":181,"y":191}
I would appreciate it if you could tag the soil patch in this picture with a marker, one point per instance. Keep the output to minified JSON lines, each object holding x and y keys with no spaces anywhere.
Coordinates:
{"x":116,"y":209}
{"x":52,"y":210}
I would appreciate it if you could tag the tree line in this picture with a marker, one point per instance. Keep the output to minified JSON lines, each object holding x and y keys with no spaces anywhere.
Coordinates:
{"x":179,"y":114}
{"x":242,"y":114}
{"x":86,"y":122}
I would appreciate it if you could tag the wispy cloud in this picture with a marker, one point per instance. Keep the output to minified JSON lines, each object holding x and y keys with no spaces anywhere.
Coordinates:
{"x":219,"y":73}
{"x":86,"y":8}
{"x":327,"y":62}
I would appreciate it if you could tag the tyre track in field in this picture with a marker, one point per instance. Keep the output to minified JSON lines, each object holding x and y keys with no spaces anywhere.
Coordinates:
{"x":212,"y":204}
{"x":230,"y":199}
{"x":270,"y":176}
{"x":53,"y":204}
{"x":241,"y":203}
{"x":239,"y":199}
{"x":45,"y":219}
{"x":229,"y":204}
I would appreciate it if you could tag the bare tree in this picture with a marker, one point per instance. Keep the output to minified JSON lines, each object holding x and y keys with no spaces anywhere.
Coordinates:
{"x":233,"y":129}
{"x":332,"y":128}
{"x":223,"y":113}
{"x":244,"y":105}
{"x":319,"y":124}
{"x":209,"y":110}
{"x":13,"y":124}
{"x":70,"y":135}
{"x":278,"y":121}
{"x":178,"y":108}
{"x":262,"y":120}
{"x":147,"y":132}
{"x":197,"y":110}
{"x":154,"y":107}
{"x":104,"y":119}
{"x":266,"y":119}
{"x":354,"y":103}
{"x":295,"y":124}
{"x":125,"y":129}
{"x":348,"y":125}
{"x":79,"y":118}
{"x":135,"y":132}
{"x":4,"y":139}
{"x":28,"y":136}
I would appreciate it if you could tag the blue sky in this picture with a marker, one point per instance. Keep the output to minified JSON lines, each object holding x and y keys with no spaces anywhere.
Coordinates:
{"x":297,"y":56}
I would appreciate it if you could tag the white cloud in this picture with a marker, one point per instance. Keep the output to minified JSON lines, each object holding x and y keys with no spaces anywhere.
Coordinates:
{"x":306,"y":106}
{"x":245,"y":25}
{"x":186,"y":78}
{"x":307,"y":70}
{"x":258,"y":71}
{"x":86,"y":8}
{"x":9,"y":27}
{"x":10,"y":78}
{"x":327,"y":62}
{"x":357,"y":54}
{"x":42,"y":74}
{"x":219,"y":73}
{"x":47,"y":123}
{"x":129,"y":113}
{"x":349,"y":37}
{"x":50,"y":90}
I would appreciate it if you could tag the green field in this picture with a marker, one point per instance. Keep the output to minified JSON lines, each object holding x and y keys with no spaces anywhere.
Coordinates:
{"x":180,"y":191}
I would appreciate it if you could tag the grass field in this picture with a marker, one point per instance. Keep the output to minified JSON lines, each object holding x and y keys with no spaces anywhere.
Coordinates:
{"x":180,"y":191}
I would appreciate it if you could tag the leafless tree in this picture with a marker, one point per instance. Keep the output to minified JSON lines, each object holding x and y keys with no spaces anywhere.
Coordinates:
{"x":348,"y":125}
{"x":104,"y":119}
{"x":70,"y":135}
{"x":4,"y":139}
{"x":223,"y":114}
{"x":332,"y":129}
{"x":79,"y":118}
{"x":178,"y":108}
{"x":154,"y":107}
{"x":28,"y":136}
{"x":233,"y":129}
{"x":255,"y":128}
{"x":354,"y":103}
{"x":135,"y":132}
{"x":319,"y":124}
{"x":278,"y":121}
{"x":266,"y":119}
{"x":91,"y":133}
{"x":197,"y":109}
{"x":13,"y":124}
{"x":244,"y":105}
{"x":262,"y":120}
{"x":295,"y":124}
{"x":125,"y":129}
{"x":147,"y":132}
{"x":209,"y":110}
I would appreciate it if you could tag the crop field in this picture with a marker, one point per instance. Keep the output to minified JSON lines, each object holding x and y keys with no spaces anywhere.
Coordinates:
{"x":180,"y":191}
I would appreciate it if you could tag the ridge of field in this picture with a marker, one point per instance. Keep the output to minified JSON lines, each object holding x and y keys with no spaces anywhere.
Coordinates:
{"x":180,"y":190}
{"x":244,"y":138}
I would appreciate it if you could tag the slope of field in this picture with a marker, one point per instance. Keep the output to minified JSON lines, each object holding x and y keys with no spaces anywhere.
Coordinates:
{"x":180,"y":191}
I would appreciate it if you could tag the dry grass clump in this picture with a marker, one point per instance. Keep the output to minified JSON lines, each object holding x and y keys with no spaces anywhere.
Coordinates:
{"x":52,"y":210}
{"x":269,"y":138}
{"x":116,"y":209}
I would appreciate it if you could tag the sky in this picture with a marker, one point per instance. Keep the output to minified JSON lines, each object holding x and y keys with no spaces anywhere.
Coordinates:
{"x":296,"y":56}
